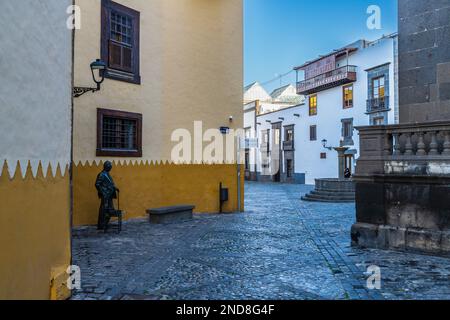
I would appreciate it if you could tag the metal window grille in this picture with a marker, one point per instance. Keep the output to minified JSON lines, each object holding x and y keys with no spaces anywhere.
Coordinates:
{"x":119,"y":134}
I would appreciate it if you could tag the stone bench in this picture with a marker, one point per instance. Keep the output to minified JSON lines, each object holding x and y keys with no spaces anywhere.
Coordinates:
{"x":170,"y":214}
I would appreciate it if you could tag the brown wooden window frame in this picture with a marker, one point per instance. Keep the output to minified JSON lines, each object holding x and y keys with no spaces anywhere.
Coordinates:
{"x":110,"y":152}
{"x":347,"y":103}
{"x":312,"y":107}
{"x":116,"y":72}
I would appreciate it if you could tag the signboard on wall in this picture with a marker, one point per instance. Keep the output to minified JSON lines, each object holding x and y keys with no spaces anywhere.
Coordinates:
{"x":319,"y":67}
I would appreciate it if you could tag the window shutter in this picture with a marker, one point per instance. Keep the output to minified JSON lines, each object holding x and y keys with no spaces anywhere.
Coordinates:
{"x":120,"y":57}
{"x":127,"y":56}
{"x":115,"y":55}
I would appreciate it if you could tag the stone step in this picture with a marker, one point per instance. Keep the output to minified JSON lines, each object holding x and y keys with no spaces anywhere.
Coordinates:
{"x":333,"y":193}
{"x":332,"y":190}
{"x":311,"y":199}
{"x":331,"y":198}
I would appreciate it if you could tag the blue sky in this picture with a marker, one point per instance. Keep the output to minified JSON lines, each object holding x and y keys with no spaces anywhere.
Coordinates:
{"x":281,"y":34}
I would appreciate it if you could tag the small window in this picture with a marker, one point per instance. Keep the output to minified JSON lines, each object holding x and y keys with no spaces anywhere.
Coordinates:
{"x":348,"y":96}
{"x":379,"y":121}
{"x":347,"y":131}
{"x":265,"y":140}
{"x":119,"y":134}
{"x":313,"y":105}
{"x":277,"y":137}
{"x":323,"y":155}
{"x":289,"y":136}
{"x":265,"y":136}
{"x":120,"y":41}
{"x":313,"y":133}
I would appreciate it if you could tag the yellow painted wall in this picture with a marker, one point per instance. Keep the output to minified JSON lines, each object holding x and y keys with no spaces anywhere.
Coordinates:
{"x":191,"y":65}
{"x":145,"y":186}
{"x":35,"y":230}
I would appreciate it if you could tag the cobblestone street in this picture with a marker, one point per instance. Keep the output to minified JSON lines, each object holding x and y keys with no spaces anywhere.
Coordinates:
{"x":281,"y":248}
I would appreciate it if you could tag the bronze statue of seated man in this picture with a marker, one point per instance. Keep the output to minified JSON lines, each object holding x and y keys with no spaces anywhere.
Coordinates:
{"x":107,"y":191}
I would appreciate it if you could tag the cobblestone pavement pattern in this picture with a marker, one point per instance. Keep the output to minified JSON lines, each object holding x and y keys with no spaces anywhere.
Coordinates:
{"x":281,"y":248}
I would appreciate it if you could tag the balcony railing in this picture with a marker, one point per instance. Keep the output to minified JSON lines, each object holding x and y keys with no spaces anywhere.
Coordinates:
{"x":417,"y":149}
{"x":378,"y":104}
{"x":327,"y":80}
{"x":288,"y":145}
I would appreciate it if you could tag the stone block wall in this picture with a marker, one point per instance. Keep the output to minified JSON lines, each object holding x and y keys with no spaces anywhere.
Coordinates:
{"x":424,"y":60}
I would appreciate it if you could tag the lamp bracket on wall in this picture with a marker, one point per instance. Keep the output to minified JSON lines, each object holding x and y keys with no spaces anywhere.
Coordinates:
{"x":79,"y":91}
{"x":98,"y":66}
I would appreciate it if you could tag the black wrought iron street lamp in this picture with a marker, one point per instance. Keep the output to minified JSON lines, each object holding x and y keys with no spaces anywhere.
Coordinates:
{"x":324,"y":143}
{"x":98,"y":75}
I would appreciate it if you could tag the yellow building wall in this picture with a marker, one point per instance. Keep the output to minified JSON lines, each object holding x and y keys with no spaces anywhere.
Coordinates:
{"x":35,"y":230}
{"x":145,"y":186}
{"x":191,"y":66}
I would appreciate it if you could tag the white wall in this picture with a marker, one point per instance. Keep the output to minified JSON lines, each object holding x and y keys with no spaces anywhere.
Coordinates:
{"x":289,"y":119}
{"x":35,"y":83}
{"x":249,"y":123}
{"x":330,"y":114}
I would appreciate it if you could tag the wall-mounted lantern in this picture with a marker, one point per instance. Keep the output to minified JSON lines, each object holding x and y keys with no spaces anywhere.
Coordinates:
{"x":98,"y":75}
{"x":325,"y":143}
{"x":224,"y":130}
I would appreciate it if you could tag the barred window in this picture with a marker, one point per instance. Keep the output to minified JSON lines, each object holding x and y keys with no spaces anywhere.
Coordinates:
{"x":119,"y":133}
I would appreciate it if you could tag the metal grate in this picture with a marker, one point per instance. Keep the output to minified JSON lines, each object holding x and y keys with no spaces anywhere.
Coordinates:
{"x":119,"y":134}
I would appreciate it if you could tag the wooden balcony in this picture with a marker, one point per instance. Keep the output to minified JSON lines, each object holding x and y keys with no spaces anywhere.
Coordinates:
{"x":337,"y":77}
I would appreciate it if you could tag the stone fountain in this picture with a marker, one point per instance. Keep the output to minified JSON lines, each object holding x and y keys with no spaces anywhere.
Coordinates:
{"x":331,"y":189}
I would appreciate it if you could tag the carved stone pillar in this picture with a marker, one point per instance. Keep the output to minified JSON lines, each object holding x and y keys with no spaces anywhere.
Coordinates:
{"x":433,"y":145}
{"x":446,"y":151}
{"x":408,"y":145}
{"x":421,"y":145}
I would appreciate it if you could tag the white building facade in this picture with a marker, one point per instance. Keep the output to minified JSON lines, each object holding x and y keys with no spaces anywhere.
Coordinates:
{"x":354,"y":86}
{"x":256,"y":103}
